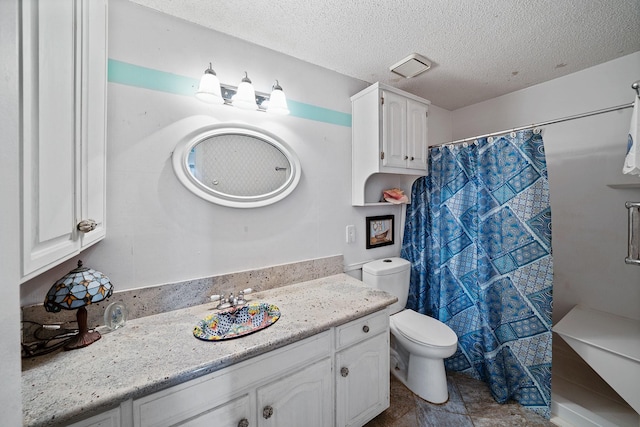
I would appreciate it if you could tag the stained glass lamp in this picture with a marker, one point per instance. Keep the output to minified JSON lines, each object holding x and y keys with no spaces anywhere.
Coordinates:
{"x":80,"y":287}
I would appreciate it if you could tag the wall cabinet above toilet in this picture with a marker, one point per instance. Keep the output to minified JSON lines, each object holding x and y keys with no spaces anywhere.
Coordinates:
{"x":390,"y":137}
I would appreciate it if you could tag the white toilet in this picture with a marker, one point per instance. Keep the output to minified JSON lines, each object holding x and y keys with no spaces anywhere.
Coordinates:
{"x":419,"y":343}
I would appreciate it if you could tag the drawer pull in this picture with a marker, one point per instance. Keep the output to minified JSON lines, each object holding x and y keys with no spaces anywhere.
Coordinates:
{"x":344,"y":372}
{"x":365,"y":329}
{"x":243,"y":423}
{"x":267,"y":412}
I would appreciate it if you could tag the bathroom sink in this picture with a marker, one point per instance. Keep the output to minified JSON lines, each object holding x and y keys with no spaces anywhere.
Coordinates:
{"x":236,"y":322}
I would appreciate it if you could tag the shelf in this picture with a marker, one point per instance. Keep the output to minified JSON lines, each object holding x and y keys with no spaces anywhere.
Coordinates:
{"x":624,"y":186}
{"x":610,"y":344}
{"x":621,"y":181}
{"x":381,"y":204}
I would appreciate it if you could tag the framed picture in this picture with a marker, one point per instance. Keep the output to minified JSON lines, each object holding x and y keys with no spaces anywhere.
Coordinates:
{"x":379,"y":231}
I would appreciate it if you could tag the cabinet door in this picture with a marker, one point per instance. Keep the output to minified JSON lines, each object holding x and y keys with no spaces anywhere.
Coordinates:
{"x":362,"y":381}
{"x":237,"y":413}
{"x":301,"y":399}
{"x":106,"y":419}
{"x":417,"y":138}
{"x":49,"y":145}
{"x":64,"y":73}
{"x":394,"y":130}
{"x":94,"y":118}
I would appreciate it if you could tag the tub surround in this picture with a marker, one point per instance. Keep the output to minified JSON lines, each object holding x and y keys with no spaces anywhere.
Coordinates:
{"x":152,"y":300}
{"x":155,"y":352}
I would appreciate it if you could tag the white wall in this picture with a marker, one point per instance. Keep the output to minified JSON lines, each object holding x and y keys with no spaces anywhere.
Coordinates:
{"x":10,"y":398}
{"x":583,"y":157}
{"x":158,"y":232}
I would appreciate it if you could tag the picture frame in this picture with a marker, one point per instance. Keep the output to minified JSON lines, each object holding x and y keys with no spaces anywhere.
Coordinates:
{"x":380,"y":231}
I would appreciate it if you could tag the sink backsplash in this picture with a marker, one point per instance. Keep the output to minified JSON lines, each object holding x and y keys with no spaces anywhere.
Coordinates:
{"x":152,"y":300}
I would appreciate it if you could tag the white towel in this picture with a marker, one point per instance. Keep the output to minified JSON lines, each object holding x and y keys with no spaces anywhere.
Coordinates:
{"x":632,"y":161}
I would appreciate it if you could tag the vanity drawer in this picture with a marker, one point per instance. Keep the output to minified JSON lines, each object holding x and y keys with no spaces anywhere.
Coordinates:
{"x":361,"y":329}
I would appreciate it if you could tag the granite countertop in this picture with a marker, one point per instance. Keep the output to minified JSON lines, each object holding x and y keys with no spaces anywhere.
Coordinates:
{"x":155,"y":352}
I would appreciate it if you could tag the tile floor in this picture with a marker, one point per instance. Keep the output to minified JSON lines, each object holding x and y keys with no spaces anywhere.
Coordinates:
{"x":470,"y":405}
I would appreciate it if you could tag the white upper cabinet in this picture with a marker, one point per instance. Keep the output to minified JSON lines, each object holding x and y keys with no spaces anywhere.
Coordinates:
{"x":64,"y":87}
{"x":404,"y":133}
{"x":390,"y":136}
{"x":417,"y":137}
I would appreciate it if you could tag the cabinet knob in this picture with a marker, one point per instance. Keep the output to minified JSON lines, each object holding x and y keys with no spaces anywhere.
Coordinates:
{"x":267,"y":412}
{"x":412,"y":158}
{"x":87,"y":225}
{"x":243,"y":423}
{"x":365,"y":329}
{"x":344,"y":372}
{"x":406,"y":157}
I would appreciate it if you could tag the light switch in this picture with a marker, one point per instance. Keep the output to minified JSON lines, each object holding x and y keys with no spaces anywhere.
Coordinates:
{"x":351,"y":234}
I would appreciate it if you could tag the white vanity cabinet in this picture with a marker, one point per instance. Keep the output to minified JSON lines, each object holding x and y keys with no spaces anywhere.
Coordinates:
{"x":362,"y":369}
{"x":301,"y":384}
{"x":279,"y":388}
{"x":64,"y":87}
{"x":389,"y":141}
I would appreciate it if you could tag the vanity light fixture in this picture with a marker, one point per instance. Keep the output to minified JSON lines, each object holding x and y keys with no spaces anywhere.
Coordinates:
{"x":244,"y":96}
{"x":78,"y":288}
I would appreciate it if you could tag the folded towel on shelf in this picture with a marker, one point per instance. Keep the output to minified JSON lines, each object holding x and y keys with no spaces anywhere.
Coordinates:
{"x":632,"y":161}
{"x":395,"y":196}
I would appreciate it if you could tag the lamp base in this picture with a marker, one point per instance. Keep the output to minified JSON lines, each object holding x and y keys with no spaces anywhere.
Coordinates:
{"x":83,"y":340}
{"x":84,"y":337}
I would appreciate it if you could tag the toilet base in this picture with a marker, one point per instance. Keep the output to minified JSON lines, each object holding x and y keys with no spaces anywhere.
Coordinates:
{"x":425,"y":377}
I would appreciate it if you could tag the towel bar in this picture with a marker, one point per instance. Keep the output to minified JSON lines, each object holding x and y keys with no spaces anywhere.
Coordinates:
{"x":633,"y":255}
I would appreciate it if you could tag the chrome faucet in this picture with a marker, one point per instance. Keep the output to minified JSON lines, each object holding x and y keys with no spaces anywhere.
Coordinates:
{"x":231,"y":301}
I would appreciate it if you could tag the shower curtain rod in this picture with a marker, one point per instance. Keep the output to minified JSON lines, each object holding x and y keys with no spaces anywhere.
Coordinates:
{"x":550,"y":122}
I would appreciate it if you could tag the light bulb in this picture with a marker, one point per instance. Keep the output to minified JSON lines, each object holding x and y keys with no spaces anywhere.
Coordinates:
{"x":245,"y":97}
{"x":277,"y":103}
{"x":209,"y":88}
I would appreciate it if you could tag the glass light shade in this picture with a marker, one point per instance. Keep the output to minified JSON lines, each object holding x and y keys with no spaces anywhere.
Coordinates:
{"x":277,"y":103}
{"x":209,"y":88}
{"x":80,"y":287}
{"x":245,"y":97}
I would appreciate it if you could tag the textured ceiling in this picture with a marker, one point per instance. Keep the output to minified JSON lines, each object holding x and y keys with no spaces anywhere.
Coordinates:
{"x":479,"y":49}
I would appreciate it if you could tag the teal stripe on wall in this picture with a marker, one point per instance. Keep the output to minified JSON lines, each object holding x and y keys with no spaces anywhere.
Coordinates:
{"x":148,"y":78}
{"x":319,"y":114}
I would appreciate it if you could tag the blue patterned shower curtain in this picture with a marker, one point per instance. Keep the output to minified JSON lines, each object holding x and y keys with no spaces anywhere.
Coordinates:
{"x":478,"y":235}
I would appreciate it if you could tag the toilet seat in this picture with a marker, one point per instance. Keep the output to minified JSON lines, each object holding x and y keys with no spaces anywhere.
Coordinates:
{"x":423,"y":329}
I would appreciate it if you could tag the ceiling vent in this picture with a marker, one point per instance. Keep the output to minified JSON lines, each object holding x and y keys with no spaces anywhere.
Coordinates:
{"x":411,"y":66}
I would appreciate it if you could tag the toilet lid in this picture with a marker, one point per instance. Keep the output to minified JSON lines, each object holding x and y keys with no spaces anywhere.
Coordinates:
{"x":423,"y":329}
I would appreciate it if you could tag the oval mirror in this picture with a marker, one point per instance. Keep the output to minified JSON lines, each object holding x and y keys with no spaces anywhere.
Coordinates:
{"x":236,"y":165}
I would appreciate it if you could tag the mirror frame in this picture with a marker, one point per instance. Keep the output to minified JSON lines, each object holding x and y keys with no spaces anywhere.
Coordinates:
{"x":180,"y":160}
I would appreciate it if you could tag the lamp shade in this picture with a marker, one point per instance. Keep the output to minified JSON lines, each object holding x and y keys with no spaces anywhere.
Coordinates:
{"x":245,"y":97}
{"x":209,"y":88}
{"x":82,"y":286}
{"x":277,"y":103}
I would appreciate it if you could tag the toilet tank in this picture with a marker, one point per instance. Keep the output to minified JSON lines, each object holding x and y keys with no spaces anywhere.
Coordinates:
{"x":390,"y":275}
